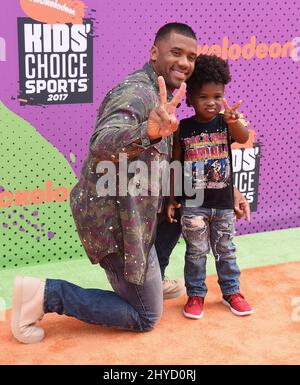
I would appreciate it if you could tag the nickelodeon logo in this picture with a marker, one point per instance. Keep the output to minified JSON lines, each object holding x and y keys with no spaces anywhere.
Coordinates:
{"x":54,"y":12}
{"x":36,"y":196}
{"x":248,"y":51}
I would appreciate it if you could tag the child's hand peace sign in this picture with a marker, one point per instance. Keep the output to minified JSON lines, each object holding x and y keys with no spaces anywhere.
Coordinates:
{"x":162,"y":120}
{"x":230,"y":113}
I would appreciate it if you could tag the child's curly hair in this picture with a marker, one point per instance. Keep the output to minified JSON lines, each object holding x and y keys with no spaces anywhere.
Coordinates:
{"x":208,"y":69}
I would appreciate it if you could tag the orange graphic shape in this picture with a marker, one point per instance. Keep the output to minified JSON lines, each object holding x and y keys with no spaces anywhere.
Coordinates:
{"x":61,"y":11}
{"x":250,"y":141}
{"x":248,"y":144}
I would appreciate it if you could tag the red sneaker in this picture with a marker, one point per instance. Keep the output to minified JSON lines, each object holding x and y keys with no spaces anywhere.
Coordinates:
{"x":237,"y":304}
{"x":194,"y":307}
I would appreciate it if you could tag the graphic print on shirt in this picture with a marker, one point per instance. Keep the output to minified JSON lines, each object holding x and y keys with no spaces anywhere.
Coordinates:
{"x":209,"y":156}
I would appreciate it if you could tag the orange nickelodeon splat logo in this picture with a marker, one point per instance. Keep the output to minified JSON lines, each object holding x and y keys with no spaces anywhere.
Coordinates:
{"x":248,"y":144}
{"x":36,"y":197}
{"x":250,"y":141}
{"x":250,"y":50}
{"x":54,"y":11}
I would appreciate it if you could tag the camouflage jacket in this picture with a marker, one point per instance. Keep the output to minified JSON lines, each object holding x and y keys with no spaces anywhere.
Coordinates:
{"x":122,"y":224}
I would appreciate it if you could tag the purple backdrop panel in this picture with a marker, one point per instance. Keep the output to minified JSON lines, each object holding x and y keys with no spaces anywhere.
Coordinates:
{"x":266,"y":78}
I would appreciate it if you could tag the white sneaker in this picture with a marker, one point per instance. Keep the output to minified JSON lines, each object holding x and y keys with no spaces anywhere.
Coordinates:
{"x":27,"y":309}
{"x":173,"y":288}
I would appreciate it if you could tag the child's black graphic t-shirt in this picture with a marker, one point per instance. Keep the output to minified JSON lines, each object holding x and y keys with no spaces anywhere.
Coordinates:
{"x":205,"y":148}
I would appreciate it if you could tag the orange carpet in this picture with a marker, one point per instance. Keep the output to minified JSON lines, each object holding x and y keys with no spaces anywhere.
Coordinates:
{"x":269,"y":336}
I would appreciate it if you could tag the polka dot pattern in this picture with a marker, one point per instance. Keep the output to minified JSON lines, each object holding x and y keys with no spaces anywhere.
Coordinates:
{"x":124,"y":33}
{"x":32,"y":233}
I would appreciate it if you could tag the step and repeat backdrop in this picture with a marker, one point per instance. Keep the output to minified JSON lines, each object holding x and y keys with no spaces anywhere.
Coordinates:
{"x":59,"y":58}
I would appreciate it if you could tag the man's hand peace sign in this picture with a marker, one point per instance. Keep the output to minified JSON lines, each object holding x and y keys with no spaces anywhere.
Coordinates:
{"x":162,"y":120}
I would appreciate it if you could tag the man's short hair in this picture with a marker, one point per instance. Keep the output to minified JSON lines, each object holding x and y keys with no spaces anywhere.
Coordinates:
{"x":182,"y":29}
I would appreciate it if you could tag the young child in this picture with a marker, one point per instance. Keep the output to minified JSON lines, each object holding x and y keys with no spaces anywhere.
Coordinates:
{"x":204,"y":141}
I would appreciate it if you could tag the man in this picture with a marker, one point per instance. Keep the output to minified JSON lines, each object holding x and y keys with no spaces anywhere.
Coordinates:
{"x":136,"y":120}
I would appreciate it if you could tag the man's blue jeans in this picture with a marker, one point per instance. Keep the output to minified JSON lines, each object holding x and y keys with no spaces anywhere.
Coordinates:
{"x":202,"y":229}
{"x":130,"y":306}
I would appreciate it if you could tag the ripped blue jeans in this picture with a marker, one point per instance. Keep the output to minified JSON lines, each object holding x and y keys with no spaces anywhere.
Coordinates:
{"x":202,"y":229}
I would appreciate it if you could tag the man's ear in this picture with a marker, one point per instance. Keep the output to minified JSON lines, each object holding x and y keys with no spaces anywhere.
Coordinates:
{"x":153,"y":53}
